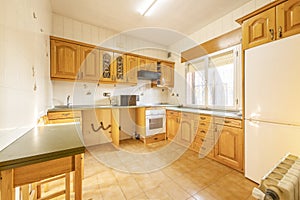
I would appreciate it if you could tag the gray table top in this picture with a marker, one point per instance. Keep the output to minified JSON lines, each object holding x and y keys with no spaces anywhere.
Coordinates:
{"x":42,"y":143}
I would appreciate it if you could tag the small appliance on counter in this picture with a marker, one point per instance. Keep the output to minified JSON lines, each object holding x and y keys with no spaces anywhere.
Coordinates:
{"x":125,"y":100}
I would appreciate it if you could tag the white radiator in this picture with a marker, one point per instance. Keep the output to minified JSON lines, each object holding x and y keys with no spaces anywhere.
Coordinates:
{"x":282,"y":182}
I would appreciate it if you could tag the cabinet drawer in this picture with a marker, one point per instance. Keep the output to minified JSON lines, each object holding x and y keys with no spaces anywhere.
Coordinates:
{"x":205,"y":118}
{"x":229,"y":122}
{"x":173,"y":113}
{"x":64,"y":115}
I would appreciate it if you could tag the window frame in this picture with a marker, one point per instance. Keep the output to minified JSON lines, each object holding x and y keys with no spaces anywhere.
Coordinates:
{"x":237,"y":79}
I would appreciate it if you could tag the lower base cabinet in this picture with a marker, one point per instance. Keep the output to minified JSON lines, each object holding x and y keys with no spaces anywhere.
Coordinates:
{"x":217,"y":138}
{"x":229,"y":148}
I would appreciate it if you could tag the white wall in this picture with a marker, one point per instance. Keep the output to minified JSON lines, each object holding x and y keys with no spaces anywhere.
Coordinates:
{"x":75,"y":30}
{"x":220,"y":26}
{"x":25,"y":87}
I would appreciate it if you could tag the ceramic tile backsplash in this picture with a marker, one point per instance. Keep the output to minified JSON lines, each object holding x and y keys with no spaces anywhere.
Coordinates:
{"x":92,"y":94}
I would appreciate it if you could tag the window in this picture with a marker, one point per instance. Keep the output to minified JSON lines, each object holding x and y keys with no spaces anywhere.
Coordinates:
{"x":214,"y":81}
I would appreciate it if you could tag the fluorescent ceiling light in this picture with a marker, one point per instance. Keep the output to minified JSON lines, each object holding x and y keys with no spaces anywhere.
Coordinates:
{"x":144,"y":10}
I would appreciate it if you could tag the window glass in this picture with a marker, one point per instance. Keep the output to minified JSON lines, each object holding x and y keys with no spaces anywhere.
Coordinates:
{"x":213,"y":81}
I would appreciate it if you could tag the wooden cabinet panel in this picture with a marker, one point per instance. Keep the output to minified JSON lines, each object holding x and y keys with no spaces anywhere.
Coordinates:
{"x":65,"y":60}
{"x":131,"y":69}
{"x":259,"y":29}
{"x":229,"y":148}
{"x":288,"y":18}
{"x":167,"y":74}
{"x":106,"y":66}
{"x":173,"y":122}
{"x":90,"y":64}
{"x":58,"y":117}
{"x":147,"y":64}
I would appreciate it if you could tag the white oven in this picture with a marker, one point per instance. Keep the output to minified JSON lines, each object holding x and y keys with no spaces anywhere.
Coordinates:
{"x":155,"y":121}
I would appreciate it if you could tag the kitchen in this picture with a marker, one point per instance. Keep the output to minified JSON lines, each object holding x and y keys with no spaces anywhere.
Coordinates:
{"x":35,"y":91}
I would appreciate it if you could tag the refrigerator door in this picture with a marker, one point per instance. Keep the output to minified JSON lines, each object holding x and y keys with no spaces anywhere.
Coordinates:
{"x":266,"y":144}
{"x":272,"y":81}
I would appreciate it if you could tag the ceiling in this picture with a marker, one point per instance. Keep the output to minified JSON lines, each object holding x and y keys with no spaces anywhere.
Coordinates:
{"x":181,"y":16}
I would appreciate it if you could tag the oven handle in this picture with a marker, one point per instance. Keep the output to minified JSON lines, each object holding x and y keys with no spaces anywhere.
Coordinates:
{"x":155,"y":116}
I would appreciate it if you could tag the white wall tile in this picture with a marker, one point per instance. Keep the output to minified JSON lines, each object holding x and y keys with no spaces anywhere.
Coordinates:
{"x":77,"y":30}
{"x":94,"y":35}
{"x":86,"y":33}
{"x":248,"y":7}
{"x":58,"y":25}
{"x":68,"y":28}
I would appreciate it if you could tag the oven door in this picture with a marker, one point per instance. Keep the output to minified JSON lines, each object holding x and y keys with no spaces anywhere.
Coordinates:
{"x":155,"y":124}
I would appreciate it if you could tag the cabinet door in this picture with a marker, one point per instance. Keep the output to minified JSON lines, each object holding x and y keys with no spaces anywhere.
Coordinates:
{"x":167,"y":74}
{"x":151,"y":65}
{"x":259,"y":29}
{"x":65,"y":60}
{"x":229,"y":148}
{"x":131,"y":69}
{"x":90,"y":64}
{"x":142,"y":62}
{"x":288,"y":18}
{"x":186,"y":129}
{"x":172,"y":125}
{"x":106,"y":69}
{"x":119,"y":71}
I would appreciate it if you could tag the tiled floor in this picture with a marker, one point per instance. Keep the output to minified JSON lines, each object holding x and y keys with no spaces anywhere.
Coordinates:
{"x":188,"y":178}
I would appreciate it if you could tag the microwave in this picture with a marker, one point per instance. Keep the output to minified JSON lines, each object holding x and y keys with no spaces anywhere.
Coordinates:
{"x":125,"y":100}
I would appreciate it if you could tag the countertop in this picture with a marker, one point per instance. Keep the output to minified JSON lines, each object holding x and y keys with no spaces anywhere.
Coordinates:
{"x":219,"y":113}
{"x":41,"y":144}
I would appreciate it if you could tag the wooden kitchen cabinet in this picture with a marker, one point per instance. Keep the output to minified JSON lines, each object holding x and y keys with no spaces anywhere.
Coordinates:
{"x":173,"y":122}
{"x":288,"y":18}
{"x":167,"y":74}
{"x":64,"y":59}
{"x":229,"y":148}
{"x":90,"y":64}
{"x":57,"y":117}
{"x":186,"y":129}
{"x":147,"y":64}
{"x":259,"y":29}
{"x":276,"y":20}
{"x":131,"y":69}
{"x":106,"y":66}
{"x":119,"y":68}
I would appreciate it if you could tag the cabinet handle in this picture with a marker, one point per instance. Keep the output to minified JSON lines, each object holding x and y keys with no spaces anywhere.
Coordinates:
{"x":65,"y":114}
{"x":272,"y":33}
{"x":226,"y":121}
{"x":203,"y":131}
{"x":203,"y":118}
{"x":279,"y":32}
{"x":202,"y":124}
{"x":202,"y":139}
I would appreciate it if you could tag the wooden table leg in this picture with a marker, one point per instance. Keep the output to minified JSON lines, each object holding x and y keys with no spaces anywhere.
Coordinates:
{"x":78,"y":176}
{"x":7,"y":185}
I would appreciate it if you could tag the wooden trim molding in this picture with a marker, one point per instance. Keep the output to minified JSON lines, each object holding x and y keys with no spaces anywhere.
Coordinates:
{"x":222,"y":42}
{"x":260,"y":10}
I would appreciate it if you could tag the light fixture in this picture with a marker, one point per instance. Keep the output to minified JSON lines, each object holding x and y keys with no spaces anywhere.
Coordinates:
{"x":146,"y":8}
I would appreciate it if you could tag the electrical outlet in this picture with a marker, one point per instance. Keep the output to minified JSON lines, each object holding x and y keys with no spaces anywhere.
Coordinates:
{"x":106,"y":94}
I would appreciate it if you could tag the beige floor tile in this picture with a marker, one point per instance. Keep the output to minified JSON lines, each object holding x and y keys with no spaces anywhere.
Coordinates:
{"x":112,"y":192}
{"x":174,"y":190}
{"x":188,"y":185}
{"x":187,"y":178}
{"x":157,"y":193}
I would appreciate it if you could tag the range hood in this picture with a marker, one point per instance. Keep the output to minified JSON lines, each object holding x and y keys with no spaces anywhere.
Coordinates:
{"x":148,"y":75}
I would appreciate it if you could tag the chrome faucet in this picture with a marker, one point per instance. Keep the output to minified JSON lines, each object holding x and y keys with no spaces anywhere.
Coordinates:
{"x":68,"y":101}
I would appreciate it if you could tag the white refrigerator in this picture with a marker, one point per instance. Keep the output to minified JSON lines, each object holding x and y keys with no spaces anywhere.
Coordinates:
{"x":272,"y":105}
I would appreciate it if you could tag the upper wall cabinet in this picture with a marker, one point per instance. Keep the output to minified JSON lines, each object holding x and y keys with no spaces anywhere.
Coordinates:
{"x":276,"y":20}
{"x":71,"y":60}
{"x":167,"y":74}
{"x":65,"y":60}
{"x":90,"y":64}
